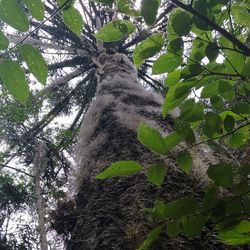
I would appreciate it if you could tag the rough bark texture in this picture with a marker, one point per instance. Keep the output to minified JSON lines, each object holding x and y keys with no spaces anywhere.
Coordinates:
{"x":107,"y":214}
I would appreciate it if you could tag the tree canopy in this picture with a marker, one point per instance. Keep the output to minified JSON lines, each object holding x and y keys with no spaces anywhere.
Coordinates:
{"x":195,"y":53}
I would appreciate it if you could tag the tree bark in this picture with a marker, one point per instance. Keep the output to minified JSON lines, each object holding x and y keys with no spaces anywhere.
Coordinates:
{"x":107,"y":214}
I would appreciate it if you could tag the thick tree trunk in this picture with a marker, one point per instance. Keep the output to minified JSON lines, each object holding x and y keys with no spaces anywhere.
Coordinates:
{"x":108,"y":213}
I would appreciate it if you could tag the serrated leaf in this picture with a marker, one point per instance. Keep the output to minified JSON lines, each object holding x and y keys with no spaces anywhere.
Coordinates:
{"x":147,"y":48}
{"x":120,"y":168}
{"x":185,"y":161}
{"x":151,"y":238}
{"x":115,"y":30}
{"x":181,"y":23}
{"x":12,"y":14}
{"x":193,"y":225}
{"x":221,"y":174}
{"x":172,"y":140}
{"x":166,"y":63}
{"x":72,"y":18}
{"x":4,"y":42}
{"x":36,"y":8}
{"x":35,"y":62}
{"x":156,"y":174}
{"x":149,"y":9}
{"x":14,"y":80}
{"x":181,"y":207}
{"x":152,"y":139}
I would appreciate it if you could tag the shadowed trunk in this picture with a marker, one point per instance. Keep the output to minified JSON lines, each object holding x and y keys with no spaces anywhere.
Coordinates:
{"x":107,"y":214}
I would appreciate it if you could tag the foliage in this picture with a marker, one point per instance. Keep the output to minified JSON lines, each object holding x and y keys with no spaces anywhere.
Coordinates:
{"x":202,"y":51}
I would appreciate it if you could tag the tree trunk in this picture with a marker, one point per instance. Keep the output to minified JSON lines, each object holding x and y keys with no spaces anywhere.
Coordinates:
{"x":108,"y":213}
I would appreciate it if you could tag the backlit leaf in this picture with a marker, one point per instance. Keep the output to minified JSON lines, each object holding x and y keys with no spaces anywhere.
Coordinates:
{"x":14,"y":80}
{"x":149,"y":9}
{"x":152,"y":139}
{"x":13,"y":15}
{"x":72,"y":18}
{"x":114,"y":31}
{"x":35,"y":62}
{"x":36,"y":8}
{"x":120,"y":168}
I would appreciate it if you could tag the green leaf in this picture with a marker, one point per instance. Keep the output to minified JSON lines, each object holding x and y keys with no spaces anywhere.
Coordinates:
{"x":198,"y":50}
{"x":115,"y":30}
{"x":213,"y":124}
{"x":151,"y":238}
{"x":176,"y":46}
{"x":120,"y":168}
{"x":152,"y":139}
{"x":193,"y":225}
{"x":226,"y":89}
{"x":149,"y":9}
{"x":217,"y":102}
{"x":234,"y":62}
{"x":237,"y":234}
{"x":241,"y":108}
{"x":245,"y":71}
{"x":210,"y":198}
{"x":159,"y":209}
{"x":4,"y":42}
{"x":221,"y":174}
{"x":172,"y":140}
{"x":126,"y":7}
{"x":192,"y":111}
{"x":174,"y":228}
{"x":181,"y":23}
{"x":156,"y":174}
{"x":184,"y":131}
{"x":106,"y":2}
{"x":72,"y":18}
{"x":212,"y":51}
{"x":166,"y":63}
{"x":13,"y":15}
{"x":185,"y":161}
{"x":241,"y":15}
{"x":147,"y":48}
{"x":14,"y":80}
{"x":173,"y":78}
{"x":171,"y":101}
{"x":36,"y":8}
{"x":229,"y":123}
{"x":237,"y":140}
{"x":181,"y":207}
{"x":210,"y":90}
{"x":35,"y":62}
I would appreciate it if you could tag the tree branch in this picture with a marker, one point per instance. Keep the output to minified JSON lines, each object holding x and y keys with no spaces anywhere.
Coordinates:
{"x":213,"y":25}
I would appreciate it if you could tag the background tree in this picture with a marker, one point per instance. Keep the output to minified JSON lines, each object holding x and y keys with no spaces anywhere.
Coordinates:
{"x":199,"y":45}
